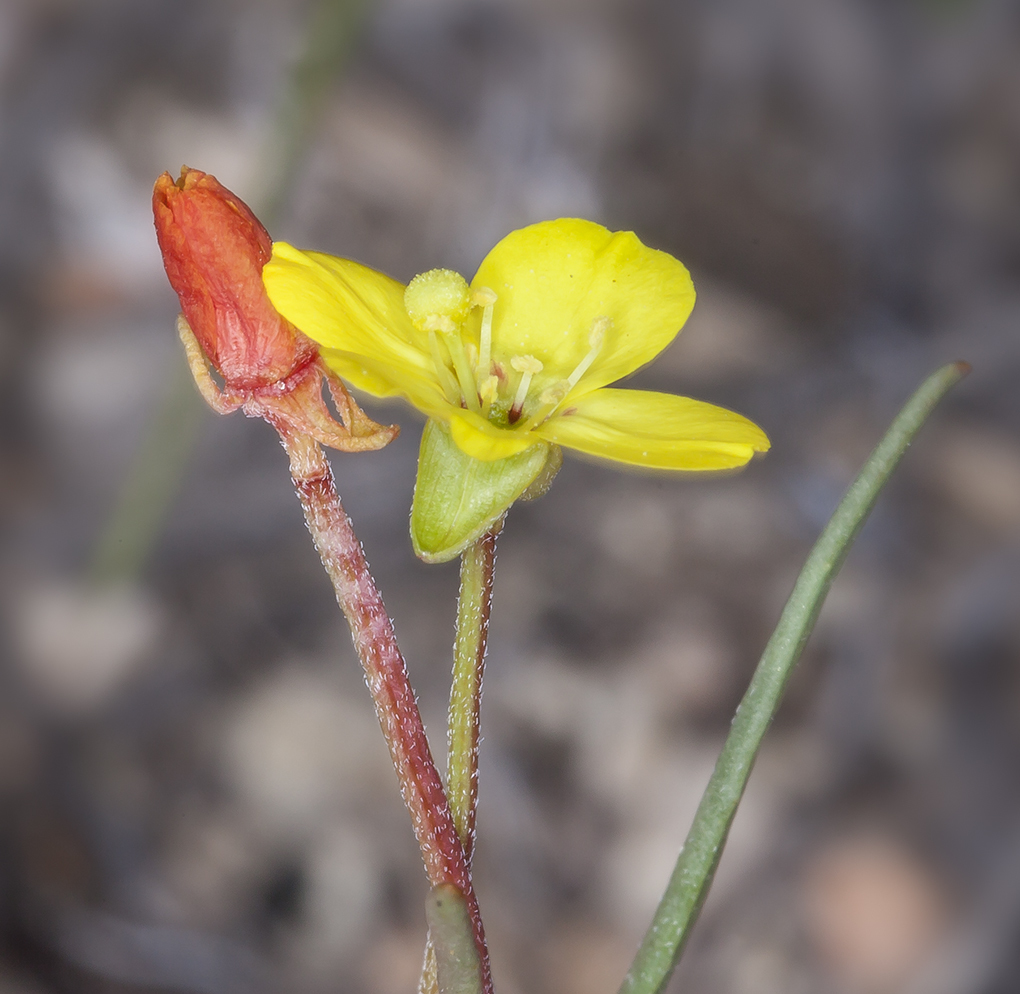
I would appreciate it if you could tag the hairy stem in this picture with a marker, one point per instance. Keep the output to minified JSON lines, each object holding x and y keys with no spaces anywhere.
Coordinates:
{"x":386,"y":675}
{"x":476,"y":571}
{"x":473,"y":606}
{"x":457,"y":968}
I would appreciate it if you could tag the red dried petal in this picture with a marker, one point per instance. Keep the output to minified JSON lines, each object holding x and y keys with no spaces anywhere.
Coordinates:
{"x":214,"y":249}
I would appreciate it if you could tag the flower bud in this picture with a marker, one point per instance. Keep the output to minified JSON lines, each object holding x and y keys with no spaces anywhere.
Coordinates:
{"x":214,"y":249}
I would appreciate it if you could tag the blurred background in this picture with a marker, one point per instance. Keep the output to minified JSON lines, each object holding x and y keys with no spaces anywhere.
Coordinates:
{"x":195,"y":795}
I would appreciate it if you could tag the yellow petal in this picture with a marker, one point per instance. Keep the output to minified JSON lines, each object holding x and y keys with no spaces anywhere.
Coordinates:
{"x":482,"y":440}
{"x":657,"y":430}
{"x":554,"y":279}
{"x":357,"y":373}
{"x":377,"y":378}
{"x":346,"y":306}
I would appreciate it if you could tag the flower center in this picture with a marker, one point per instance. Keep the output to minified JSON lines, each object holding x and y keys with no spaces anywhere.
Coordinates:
{"x":438,"y":303}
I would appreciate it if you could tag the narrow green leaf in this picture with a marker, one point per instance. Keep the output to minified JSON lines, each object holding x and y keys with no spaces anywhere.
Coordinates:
{"x":688,"y":886}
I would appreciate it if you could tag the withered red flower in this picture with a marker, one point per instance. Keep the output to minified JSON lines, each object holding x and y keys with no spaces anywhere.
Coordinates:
{"x":214,"y":249}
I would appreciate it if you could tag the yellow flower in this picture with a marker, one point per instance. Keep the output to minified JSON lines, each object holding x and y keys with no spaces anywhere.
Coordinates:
{"x":516,"y":364}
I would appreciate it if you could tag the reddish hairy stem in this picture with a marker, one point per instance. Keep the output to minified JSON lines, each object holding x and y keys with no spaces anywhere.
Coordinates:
{"x":386,"y":675}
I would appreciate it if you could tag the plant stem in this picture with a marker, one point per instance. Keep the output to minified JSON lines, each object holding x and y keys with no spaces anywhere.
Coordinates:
{"x":332,"y":31}
{"x":457,"y":968}
{"x":151,"y":483}
{"x":473,"y":606}
{"x":688,"y":886}
{"x":477,"y":564}
{"x":386,"y":675}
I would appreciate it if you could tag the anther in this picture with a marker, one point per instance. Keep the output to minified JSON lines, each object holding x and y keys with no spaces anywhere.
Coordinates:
{"x":555,"y":394}
{"x":527,"y":366}
{"x":488,"y":391}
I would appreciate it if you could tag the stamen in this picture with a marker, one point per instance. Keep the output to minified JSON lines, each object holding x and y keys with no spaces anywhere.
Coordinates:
{"x":549,"y":399}
{"x":555,"y":394}
{"x":446,"y":378}
{"x":486,"y":298}
{"x":468,"y":389}
{"x":488,"y":391}
{"x":527,"y":366}
{"x":596,"y":338}
{"x":440,"y":322}
{"x":552,"y":397}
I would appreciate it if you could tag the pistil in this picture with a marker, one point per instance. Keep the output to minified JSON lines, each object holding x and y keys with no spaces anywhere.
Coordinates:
{"x":438,"y":302}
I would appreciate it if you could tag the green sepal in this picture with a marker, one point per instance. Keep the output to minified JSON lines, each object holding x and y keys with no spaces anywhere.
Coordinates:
{"x":539,"y":487}
{"x":458,"y":498}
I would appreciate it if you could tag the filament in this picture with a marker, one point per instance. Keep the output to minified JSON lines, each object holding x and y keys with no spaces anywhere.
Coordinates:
{"x":446,"y":378}
{"x":464,"y":375}
{"x":596,"y":338}
{"x":527,"y":366}
{"x":486,"y":298}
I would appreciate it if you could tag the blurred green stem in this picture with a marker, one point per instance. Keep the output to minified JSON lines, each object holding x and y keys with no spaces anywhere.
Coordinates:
{"x":151,"y":481}
{"x":158,"y":465}
{"x":688,"y":886}
{"x":333,"y":28}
